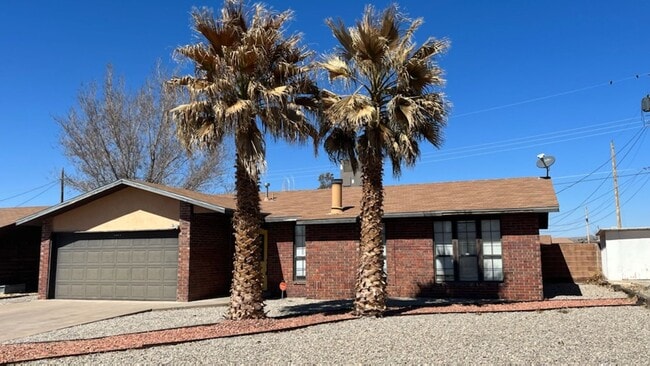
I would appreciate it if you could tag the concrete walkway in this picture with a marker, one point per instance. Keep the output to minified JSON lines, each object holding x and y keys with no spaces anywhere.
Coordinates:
{"x":24,"y":319}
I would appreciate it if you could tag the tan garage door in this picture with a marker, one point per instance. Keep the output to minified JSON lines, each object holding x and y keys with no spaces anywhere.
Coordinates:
{"x":116,"y":266}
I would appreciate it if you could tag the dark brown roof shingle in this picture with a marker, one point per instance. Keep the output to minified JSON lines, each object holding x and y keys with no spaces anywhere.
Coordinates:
{"x":10,"y":215}
{"x":498,"y":195}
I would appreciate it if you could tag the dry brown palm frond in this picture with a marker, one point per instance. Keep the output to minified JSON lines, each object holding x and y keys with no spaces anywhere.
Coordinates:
{"x":342,"y":34}
{"x":217,"y":34}
{"x":431,"y":48}
{"x":369,"y":44}
{"x":241,"y":107}
{"x":352,"y":111}
{"x":407,"y":36}
{"x":390,"y":25}
{"x":336,"y":68}
{"x":197,"y":53}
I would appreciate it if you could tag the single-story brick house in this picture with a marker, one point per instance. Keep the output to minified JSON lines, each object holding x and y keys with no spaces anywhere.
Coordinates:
{"x":134,"y":240}
{"x":19,"y":251}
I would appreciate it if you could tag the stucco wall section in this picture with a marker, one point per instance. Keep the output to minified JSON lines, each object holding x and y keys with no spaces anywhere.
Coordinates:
{"x":626,"y":254}
{"x":125,"y":210}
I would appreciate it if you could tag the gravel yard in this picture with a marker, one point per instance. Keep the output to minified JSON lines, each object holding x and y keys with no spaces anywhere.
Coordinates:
{"x":615,"y":335}
{"x":610,"y":335}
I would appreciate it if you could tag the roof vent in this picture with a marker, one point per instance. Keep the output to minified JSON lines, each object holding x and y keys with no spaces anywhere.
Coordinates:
{"x":337,"y":196}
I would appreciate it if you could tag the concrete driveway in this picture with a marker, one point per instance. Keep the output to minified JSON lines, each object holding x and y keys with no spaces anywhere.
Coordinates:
{"x":22,"y":319}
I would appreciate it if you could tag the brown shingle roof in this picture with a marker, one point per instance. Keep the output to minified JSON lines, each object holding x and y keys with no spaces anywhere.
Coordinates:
{"x":435,"y":199}
{"x":10,"y":215}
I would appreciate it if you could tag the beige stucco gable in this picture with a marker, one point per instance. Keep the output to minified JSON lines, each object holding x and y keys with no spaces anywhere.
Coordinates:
{"x":128,"y":209}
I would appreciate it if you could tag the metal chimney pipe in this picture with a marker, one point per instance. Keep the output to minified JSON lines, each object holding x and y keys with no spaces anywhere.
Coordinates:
{"x":337,"y":196}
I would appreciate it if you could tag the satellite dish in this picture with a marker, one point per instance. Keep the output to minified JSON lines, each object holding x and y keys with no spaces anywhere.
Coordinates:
{"x":645,"y":104}
{"x":645,"y":109}
{"x":544,"y":162}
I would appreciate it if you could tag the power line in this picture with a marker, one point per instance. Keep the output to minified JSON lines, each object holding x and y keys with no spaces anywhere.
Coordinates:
{"x":537,"y":99}
{"x":635,"y":138}
{"x":50,"y":186}
{"x":29,"y":191}
{"x":599,"y":213}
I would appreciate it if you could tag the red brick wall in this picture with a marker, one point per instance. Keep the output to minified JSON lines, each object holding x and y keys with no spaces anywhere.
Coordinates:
{"x":44,"y":265}
{"x":522,"y":262}
{"x":280,"y":260}
{"x":332,"y":253}
{"x":331,"y":260}
{"x":19,"y":256}
{"x":409,"y":256}
{"x":570,"y":262}
{"x":204,"y":255}
{"x":184,"y":236}
{"x":210,"y":256}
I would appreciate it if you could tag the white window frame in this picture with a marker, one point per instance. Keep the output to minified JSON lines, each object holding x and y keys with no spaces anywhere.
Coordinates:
{"x":447,"y":242}
{"x":300,"y":247}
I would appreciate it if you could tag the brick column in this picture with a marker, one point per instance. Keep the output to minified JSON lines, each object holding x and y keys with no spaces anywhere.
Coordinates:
{"x":44,"y":264}
{"x":183,"y":284}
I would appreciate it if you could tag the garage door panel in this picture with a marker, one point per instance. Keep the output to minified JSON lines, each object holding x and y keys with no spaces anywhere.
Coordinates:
{"x":138,"y":274}
{"x":107,"y":274}
{"x":136,"y":266}
{"x":123,"y":275}
{"x":78,"y":274}
{"x":139,"y":256}
{"x":154,"y":291}
{"x":154,"y":257}
{"x":154,"y":274}
{"x":107,"y":257}
{"x":92,"y":274}
{"x":122,"y":291}
{"x":107,"y":291}
{"x":171,"y":256}
{"x":169,"y":291}
{"x":93,"y":256}
{"x":123,"y":256}
{"x":170,"y":274}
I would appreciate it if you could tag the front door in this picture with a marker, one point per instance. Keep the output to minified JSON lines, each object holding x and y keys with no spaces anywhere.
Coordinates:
{"x":467,"y":251}
{"x":263,"y":238}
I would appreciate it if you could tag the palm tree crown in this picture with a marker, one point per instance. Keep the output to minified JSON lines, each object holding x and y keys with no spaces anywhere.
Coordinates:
{"x":249,"y":80}
{"x":393,"y":103}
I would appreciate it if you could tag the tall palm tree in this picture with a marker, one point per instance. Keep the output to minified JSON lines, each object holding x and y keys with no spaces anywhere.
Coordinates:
{"x":250,"y":80}
{"x":392,"y":102}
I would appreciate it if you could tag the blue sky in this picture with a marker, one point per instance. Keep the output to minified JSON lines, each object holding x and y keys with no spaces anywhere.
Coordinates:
{"x":524,"y":77}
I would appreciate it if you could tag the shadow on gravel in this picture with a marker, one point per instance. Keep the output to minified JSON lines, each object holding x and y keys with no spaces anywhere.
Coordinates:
{"x":552,"y":290}
{"x":396,"y":306}
{"x":330,"y":307}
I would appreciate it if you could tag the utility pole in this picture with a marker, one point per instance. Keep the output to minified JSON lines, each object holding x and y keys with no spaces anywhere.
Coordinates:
{"x":587,"y":221}
{"x":616,"y":198}
{"x":62,"y":182}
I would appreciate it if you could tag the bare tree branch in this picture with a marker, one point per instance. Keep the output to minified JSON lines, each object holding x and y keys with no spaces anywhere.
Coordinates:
{"x":115,"y":134}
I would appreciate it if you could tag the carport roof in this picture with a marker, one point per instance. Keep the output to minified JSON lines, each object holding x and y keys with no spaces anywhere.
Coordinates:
{"x":514,"y":195}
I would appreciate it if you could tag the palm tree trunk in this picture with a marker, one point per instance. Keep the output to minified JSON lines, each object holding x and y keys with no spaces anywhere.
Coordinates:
{"x":370,"y":298}
{"x":246,"y":290}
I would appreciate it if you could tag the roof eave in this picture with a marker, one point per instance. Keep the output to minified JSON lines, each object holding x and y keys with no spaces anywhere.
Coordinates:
{"x":396,"y":215}
{"x":470,"y":212}
{"x":111,"y":187}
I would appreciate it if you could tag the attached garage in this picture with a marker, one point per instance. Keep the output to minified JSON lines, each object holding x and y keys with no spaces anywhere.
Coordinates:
{"x":135,"y":241}
{"x":116,"y":265}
